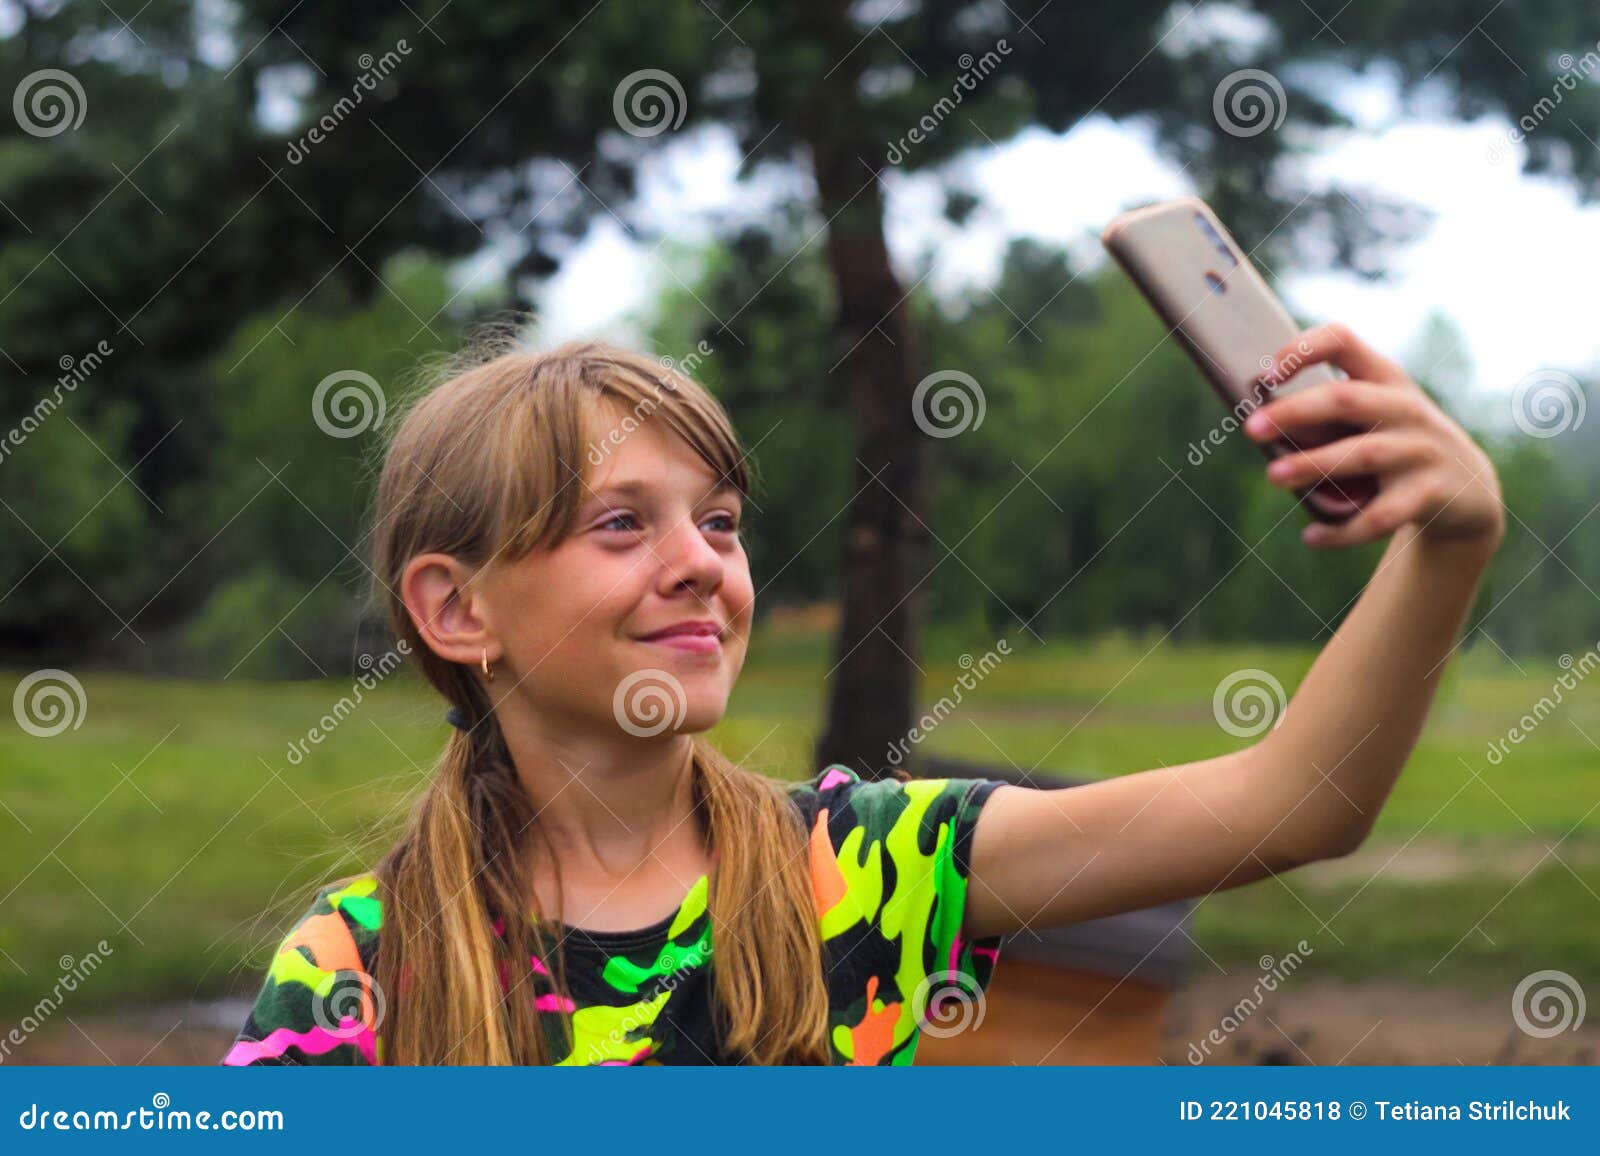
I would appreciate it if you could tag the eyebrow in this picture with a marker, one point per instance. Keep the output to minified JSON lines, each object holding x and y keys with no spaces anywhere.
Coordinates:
{"x":634,"y":488}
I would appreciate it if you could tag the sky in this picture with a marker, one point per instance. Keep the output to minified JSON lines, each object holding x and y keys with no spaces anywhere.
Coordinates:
{"x":1507,"y":258}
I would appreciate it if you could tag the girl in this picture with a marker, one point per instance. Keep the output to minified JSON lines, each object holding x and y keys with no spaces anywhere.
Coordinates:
{"x":557,"y":537}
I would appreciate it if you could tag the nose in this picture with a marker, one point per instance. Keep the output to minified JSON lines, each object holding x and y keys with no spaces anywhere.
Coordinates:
{"x":689,"y":560}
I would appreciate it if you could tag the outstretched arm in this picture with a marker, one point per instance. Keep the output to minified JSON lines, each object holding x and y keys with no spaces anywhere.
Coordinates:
{"x":1312,"y":787}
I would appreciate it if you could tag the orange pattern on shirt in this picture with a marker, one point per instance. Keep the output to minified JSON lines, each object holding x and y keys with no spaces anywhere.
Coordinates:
{"x":872,"y":1038}
{"x":827,"y":881}
{"x":333,"y":948}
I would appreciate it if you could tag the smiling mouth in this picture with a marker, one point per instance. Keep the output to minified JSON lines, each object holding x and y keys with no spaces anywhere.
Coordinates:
{"x":689,"y":643}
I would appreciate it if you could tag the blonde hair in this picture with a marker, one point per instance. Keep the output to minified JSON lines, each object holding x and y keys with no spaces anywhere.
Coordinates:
{"x":490,"y":464}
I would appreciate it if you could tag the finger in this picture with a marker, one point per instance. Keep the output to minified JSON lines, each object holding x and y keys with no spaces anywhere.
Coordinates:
{"x":1360,"y":403}
{"x":1381,"y":517}
{"x":1335,"y":344}
{"x":1385,"y":452}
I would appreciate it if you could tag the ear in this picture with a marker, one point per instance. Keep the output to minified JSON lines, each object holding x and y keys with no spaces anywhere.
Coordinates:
{"x":447,"y":608}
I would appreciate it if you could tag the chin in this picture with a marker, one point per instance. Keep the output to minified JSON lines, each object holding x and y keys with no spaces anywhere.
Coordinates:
{"x":701,"y":717}
{"x":653,"y":701}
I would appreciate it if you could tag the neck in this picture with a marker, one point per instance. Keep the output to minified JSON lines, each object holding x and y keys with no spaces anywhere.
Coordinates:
{"x":604,"y":803}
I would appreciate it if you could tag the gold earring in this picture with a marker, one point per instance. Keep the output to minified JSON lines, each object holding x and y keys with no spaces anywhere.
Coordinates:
{"x":488,"y":671}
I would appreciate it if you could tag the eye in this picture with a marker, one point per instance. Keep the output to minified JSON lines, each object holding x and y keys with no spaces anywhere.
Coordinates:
{"x":730,"y":522}
{"x":608,"y":524}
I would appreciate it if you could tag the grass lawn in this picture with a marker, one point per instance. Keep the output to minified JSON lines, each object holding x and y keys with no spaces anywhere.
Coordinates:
{"x":173,"y":825}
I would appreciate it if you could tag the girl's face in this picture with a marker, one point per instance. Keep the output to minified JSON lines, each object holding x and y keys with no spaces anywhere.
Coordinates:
{"x":656,"y":546}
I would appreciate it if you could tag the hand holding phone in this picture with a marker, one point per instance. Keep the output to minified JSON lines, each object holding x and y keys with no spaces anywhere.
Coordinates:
{"x":1232,"y":325}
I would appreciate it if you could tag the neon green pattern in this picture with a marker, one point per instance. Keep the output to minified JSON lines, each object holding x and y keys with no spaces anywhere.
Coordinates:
{"x":889,"y":867}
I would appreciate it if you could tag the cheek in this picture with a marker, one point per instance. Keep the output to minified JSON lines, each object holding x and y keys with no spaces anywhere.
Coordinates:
{"x":584,"y":596}
{"x":738,"y":592}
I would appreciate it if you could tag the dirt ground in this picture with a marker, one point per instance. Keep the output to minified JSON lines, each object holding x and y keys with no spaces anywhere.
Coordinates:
{"x":1375,"y":1022}
{"x":1314,"y":1022}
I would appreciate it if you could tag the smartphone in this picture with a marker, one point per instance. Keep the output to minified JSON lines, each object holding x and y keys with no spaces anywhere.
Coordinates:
{"x":1225,"y":315}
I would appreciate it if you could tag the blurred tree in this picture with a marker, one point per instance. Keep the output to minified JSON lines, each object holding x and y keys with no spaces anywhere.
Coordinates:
{"x":455,"y":124}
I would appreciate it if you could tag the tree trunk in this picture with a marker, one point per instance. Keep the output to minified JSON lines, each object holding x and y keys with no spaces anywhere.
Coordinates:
{"x":874,"y":680}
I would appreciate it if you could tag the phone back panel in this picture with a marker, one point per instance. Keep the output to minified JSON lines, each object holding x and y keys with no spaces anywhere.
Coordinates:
{"x":1204,"y":287}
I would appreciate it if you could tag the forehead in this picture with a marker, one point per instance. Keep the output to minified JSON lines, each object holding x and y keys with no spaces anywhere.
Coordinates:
{"x":634,"y":455}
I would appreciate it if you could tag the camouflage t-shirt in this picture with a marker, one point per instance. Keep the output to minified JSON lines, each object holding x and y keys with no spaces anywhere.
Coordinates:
{"x":889,"y":868}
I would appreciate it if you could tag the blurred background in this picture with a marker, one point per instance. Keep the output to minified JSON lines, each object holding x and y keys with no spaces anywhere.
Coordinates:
{"x":231,"y":231}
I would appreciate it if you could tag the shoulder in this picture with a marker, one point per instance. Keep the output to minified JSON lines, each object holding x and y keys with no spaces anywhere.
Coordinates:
{"x":339,"y":930}
{"x":318,"y":1002}
{"x":922,"y":813}
{"x":890,"y":863}
{"x":870,"y":839}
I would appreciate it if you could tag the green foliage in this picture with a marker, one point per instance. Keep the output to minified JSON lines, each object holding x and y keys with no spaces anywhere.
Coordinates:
{"x":1092,"y":495}
{"x":233,"y":264}
{"x":293,"y":568}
